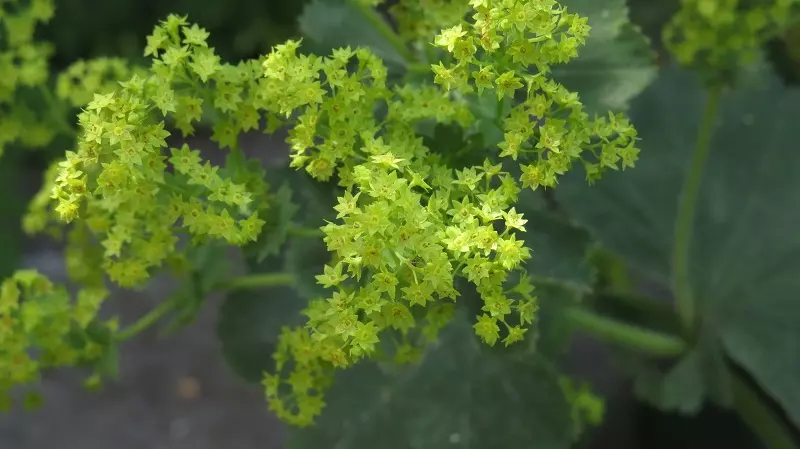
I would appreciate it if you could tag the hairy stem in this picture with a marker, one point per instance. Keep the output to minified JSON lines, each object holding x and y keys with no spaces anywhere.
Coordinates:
{"x":624,"y":334}
{"x":684,"y":221}
{"x":761,"y":419}
{"x":146,"y":321}
{"x":377,"y":21}
{"x":256,"y":281}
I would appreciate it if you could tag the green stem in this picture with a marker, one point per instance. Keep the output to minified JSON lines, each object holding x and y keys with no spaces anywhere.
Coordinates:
{"x":146,"y":321}
{"x":256,"y":281}
{"x":684,"y":221}
{"x":309,"y":233}
{"x":422,"y":69}
{"x":624,"y":334}
{"x":385,"y":30}
{"x":643,"y":304}
{"x":238,"y":283}
{"x":761,"y":419}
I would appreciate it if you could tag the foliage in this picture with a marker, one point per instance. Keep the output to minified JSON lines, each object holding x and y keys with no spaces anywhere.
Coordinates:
{"x":463,"y":193}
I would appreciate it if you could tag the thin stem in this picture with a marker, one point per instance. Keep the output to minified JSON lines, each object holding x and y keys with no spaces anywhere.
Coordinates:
{"x":243,"y":282}
{"x":761,"y":419}
{"x":640,"y":303}
{"x":146,"y":321}
{"x":647,"y":312}
{"x":422,"y":69}
{"x":684,"y":222}
{"x":624,"y":334}
{"x":310,"y":233}
{"x":385,"y":30}
{"x":256,"y":281}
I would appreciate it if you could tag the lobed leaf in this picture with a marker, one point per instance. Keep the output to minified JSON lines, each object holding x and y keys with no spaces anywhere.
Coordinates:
{"x":330,"y":24}
{"x":745,"y":256}
{"x":461,"y":395}
{"x":616,"y":63}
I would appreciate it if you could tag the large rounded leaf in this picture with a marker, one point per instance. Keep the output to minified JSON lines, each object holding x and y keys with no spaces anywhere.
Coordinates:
{"x":616,"y":63}
{"x":745,"y":256}
{"x":460,"y":396}
{"x":330,"y":24}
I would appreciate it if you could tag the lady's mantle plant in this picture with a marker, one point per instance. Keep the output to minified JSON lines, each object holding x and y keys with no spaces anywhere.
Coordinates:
{"x":424,"y":230}
{"x":408,"y":225}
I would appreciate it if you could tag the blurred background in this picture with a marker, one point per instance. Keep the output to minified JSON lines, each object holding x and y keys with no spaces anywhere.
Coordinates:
{"x":177,"y":392}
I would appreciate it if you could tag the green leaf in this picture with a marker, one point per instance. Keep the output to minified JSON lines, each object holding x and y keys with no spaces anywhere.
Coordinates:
{"x":616,"y":63}
{"x":745,"y":254}
{"x":457,"y":150}
{"x":279,"y":220}
{"x":554,"y":330}
{"x":684,"y":387}
{"x":559,"y":268}
{"x":305,"y":258}
{"x":209,"y":264}
{"x":459,"y":396}
{"x":331,"y":24}
{"x":250,"y":321}
{"x":559,"y":251}
{"x":284,"y":212}
{"x":487,"y":109}
{"x":249,"y":324}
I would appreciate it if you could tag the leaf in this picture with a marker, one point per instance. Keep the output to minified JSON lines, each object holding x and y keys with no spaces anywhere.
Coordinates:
{"x":250,"y":321}
{"x":249,"y":325}
{"x":559,"y":251}
{"x":745,"y":255}
{"x":306,"y":258}
{"x":559,"y":268}
{"x":331,"y":24}
{"x":616,"y":63}
{"x":209,"y":264}
{"x":683,"y":388}
{"x":487,"y":110}
{"x":279,"y":220}
{"x":459,"y":396}
{"x":553,"y":329}
{"x":458,"y":151}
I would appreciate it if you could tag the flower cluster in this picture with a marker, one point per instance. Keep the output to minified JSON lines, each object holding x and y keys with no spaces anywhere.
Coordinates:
{"x":410,"y":230}
{"x":724,"y":34}
{"x":122,"y":185}
{"x":498,"y":51}
{"x":42,"y":327}
{"x":23,"y":63}
{"x":82,"y":79}
{"x":422,"y":19}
